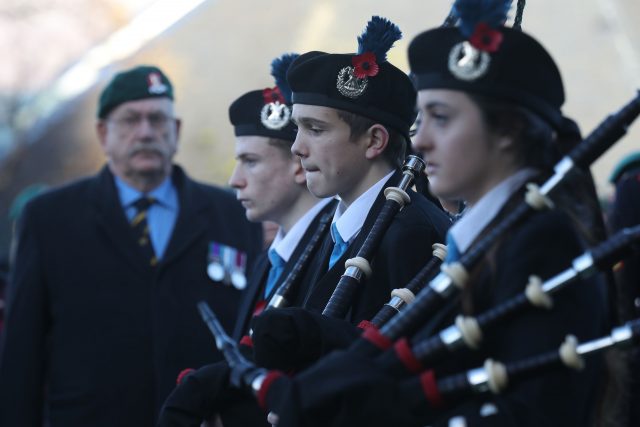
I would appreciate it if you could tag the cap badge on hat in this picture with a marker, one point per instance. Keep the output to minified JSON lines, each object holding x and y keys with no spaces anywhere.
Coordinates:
{"x":467,"y":62}
{"x":275,"y":114}
{"x":156,"y":86}
{"x":352,"y":81}
{"x":373,"y":45}
{"x":470,"y":59}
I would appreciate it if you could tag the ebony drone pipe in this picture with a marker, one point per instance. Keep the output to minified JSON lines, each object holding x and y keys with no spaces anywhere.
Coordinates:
{"x":343,"y":295}
{"x":445,"y":285}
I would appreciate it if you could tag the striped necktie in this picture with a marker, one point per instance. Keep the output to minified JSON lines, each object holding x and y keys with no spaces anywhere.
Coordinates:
{"x":140,"y":228}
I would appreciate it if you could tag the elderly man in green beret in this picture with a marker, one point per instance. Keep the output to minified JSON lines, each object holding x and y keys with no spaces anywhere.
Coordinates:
{"x":101,"y":314}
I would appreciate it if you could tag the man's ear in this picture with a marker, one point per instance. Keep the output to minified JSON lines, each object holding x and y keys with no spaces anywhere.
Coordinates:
{"x":101,"y":131}
{"x":178,"y":128}
{"x":377,"y":141}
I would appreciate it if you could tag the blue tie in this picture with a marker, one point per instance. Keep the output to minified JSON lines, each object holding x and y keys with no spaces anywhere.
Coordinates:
{"x":277,"y":265}
{"x":339,"y":247}
{"x":453,"y":253}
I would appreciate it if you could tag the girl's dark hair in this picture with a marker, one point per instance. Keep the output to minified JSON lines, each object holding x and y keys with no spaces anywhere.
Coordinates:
{"x":535,"y":138}
{"x":540,"y":146}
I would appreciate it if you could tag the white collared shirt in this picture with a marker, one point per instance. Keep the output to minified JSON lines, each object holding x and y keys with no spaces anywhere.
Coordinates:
{"x":477,"y":217}
{"x":285,"y":244}
{"x":349,"y":220}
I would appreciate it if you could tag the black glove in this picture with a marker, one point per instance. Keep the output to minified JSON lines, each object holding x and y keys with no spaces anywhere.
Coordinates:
{"x":293,"y":338}
{"x":341,"y":389}
{"x":206,"y":392}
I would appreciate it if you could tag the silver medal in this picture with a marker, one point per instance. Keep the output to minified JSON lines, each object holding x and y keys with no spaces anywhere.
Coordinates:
{"x":215,"y":271}
{"x":238,"y":280}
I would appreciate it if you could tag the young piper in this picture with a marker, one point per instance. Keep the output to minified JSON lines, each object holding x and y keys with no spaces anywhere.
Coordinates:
{"x":270,"y":183}
{"x":490,"y":98}
{"x":353,"y":113}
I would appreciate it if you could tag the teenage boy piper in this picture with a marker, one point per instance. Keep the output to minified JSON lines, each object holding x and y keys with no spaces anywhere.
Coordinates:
{"x":353,"y":113}
{"x":270,"y":183}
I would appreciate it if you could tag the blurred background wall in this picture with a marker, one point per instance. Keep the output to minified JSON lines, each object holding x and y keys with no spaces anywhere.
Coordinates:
{"x":58,"y":54}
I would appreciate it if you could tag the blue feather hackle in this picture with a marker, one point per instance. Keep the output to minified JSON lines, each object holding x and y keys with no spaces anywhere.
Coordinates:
{"x":379,"y":37}
{"x":279,"y":67}
{"x":472,"y":12}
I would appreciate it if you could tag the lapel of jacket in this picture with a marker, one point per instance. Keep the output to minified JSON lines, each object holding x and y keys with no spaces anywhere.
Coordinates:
{"x":311,"y":230}
{"x":251,"y":295}
{"x":191,"y":221}
{"x":111,"y":219}
{"x":326,"y":281}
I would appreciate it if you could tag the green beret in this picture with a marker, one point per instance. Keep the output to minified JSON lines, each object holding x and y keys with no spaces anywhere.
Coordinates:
{"x":137,"y":83}
{"x":629,"y":162}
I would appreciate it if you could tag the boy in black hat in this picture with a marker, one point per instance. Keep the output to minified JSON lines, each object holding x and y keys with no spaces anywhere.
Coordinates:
{"x":109,"y":269}
{"x":271,"y":185}
{"x":353,"y":113}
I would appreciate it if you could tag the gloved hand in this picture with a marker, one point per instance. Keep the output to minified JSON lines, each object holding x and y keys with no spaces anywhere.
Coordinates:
{"x":206,"y":393}
{"x":293,"y":338}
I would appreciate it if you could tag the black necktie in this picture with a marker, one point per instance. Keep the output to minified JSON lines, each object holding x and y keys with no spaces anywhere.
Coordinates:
{"x":140,"y":228}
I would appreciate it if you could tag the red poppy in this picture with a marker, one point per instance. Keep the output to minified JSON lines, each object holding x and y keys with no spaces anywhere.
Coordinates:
{"x":486,"y":38}
{"x":365,"y":65}
{"x":272,"y":95}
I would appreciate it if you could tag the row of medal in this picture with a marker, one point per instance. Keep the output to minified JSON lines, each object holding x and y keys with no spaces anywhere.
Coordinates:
{"x":227,"y":265}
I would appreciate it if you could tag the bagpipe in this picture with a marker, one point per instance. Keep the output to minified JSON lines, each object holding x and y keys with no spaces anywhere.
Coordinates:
{"x":467,"y":332}
{"x":454,"y":276}
{"x":416,"y":383}
{"x":282,"y":297}
{"x":496,"y":377}
{"x":359,"y":267}
{"x":404,"y":296}
{"x":285,"y":292}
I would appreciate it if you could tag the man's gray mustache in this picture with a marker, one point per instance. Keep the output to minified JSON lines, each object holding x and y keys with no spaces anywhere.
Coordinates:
{"x":146,"y":149}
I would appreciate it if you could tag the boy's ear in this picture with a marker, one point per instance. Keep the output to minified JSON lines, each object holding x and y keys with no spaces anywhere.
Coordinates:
{"x":377,"y":141}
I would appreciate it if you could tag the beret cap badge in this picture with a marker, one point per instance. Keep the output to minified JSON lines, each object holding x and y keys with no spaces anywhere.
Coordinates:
{"x":156,"y":86}
{"x":373,"y":45}
{"x":266,"y":112}
{"x":276,"y":113}
{"x":141,"y":82}
{"x":468,"y":63}
{"x":470,"y":59}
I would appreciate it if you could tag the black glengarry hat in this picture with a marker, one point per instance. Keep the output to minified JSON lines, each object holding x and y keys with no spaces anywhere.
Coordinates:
{"x":141,"y":82}
{"x":483,"y":56}
{"x":364,"y":83}
{"x":266,"y":112}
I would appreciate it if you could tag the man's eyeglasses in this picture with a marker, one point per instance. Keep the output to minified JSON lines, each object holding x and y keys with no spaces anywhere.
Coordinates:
{"x":129,"y":122}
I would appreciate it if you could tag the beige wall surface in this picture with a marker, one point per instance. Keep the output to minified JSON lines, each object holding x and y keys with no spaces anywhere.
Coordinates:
{"x":225,"y":49}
